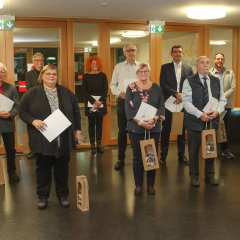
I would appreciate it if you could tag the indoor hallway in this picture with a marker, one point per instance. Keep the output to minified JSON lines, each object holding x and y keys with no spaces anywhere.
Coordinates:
{"x":177,"y":211}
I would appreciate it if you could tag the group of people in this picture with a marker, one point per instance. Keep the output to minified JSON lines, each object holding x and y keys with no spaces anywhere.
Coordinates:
{"x":131,"y":85}
{"x":192,"y":90}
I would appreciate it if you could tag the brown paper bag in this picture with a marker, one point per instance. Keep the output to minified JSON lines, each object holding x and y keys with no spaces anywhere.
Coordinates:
{"x":209,"y":144}
{"x":149,"y":154}
{"x":221,"y":133}
{"x":177,"y":123}
{"x":2,"y":177}
{"x":82,"y":193}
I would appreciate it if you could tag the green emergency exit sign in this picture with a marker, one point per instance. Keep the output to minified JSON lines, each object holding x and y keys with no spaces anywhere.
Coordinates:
{"x":7,"y":24}
{"x":156,"y":28}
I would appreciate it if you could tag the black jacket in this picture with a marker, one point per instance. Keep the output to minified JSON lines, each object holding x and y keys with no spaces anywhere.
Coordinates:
{"x":34,"y":105}
{"x":168,"y":80}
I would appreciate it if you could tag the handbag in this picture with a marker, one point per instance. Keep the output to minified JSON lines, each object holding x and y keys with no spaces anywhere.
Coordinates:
{"x":209,"y":144}
{"x":221,"y":133}
{"x":149,"y":153}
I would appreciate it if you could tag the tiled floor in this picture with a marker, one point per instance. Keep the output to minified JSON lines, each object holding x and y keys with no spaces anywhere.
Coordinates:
{"x":177,"y":211}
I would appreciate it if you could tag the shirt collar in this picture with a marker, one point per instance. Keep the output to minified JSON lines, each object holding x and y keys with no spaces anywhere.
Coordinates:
{"x":127,"y":63}
{"x":177,"y":64}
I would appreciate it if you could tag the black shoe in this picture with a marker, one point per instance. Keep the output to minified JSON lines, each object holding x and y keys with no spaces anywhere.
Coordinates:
{"x":100,"y":149}
{"x":163,"y":161}
{"x":211,"y":181}
{"x":64,"y":202}
{"x":13,"y":177}
{"x":31,"y":155}
{"x":227,"y":154}
{"x":195,"y":181}
{"x":151,"y":190}
{"x":183,"y":160}
{"x":138,"y":191}
{"x":93,"y":149}
{"x":42,"y":203}
{"x":119,"y":165}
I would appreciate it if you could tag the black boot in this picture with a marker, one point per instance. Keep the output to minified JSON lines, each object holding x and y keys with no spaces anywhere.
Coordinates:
{"x":100,"y":149}
{"x":93,"y":149}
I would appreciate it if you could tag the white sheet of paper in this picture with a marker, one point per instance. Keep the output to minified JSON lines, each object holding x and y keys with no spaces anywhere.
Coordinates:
{"x":146,"y":112}
{"x":56,"y":124}
{"x":96,"y":98}
{"x":127,"y":82}
{"x":172,"y":106}
{"x":211,"y":105}
{"x":6,"y":103}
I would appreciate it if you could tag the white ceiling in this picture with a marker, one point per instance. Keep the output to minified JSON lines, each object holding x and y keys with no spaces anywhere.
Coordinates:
{"x":166,"y":10}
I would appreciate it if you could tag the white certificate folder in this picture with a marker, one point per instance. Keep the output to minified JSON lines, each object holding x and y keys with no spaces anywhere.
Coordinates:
{"x":56,"y":124}
{"x":146,"y":112}
{"x":6,"y":103}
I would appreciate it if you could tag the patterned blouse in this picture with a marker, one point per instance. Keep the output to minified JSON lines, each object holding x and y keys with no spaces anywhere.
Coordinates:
{"x":135,"y":96}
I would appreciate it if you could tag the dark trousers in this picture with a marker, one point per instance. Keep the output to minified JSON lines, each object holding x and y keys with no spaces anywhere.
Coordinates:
{"x":95,"y":129}
{"x":194,"y":143}
{"x":138,"y":168}
{"x":44,"y":175}
{"x":122,"y":133}
{"x":165,"y":136}
{"x":9,"y":144}
{"x":226,"y":118}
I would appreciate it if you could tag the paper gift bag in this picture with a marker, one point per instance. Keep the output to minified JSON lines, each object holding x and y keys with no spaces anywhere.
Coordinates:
{"x":177,"y":123}
{"x":221,"y":133}
{"x":82,"y":193}
{"x":149,"y":154}
{"x":209,"y":145}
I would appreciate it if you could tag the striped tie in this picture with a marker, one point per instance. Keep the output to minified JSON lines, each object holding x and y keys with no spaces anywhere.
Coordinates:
{"x":205,"y":92}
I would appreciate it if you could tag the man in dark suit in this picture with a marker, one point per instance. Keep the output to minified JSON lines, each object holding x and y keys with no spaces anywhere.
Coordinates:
{"x":32,"y":80}
{"x":7,"y":123}
{"x":197,"y":91}
{"x":171,"y":80}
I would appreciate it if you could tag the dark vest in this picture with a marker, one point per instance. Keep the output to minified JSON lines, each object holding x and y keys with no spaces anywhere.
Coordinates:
{"x":192,"y":122}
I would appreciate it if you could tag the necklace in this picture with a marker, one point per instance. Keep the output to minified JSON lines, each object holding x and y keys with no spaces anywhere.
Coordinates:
{"x":49,"y":89}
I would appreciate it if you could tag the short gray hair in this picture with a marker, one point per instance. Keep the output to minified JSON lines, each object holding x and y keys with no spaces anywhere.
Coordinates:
{"x":38,"y":54}
{"x":129,"y":45}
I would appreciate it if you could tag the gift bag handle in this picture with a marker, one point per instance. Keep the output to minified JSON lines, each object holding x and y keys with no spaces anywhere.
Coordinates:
{"x":145,"y":137}
{"x":206,"y":125}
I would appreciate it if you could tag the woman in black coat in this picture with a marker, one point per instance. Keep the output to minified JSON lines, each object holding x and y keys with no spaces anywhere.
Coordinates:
{"x":35,"y":106}
{"x":95,"y":87}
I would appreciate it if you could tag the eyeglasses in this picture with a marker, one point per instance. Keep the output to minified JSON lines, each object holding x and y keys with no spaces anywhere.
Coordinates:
{"x":130,"y":50}
{"x":38,"y":60}
{"x":143,"y":71}
{"x":50,"y":74}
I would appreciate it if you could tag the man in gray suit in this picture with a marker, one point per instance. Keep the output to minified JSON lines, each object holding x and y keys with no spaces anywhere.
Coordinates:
{"x":7,"y":123}
{"x":32,"y":80}
{"x":228,"y":81}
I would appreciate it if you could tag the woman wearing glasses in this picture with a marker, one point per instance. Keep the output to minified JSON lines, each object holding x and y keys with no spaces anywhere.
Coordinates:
{"x":143,"y":90}
{"x":35,"y":106}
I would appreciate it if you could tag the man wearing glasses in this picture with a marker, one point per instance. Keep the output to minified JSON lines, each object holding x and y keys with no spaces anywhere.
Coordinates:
{"x":171,"y":80}
{"x":32,"y":80}
{"x":123,"y":74}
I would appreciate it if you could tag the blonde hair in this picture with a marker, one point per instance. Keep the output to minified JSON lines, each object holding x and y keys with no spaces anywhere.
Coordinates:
{"x":45,"y":68}
{"x":143,"y":65}
{"x":4,"y":67}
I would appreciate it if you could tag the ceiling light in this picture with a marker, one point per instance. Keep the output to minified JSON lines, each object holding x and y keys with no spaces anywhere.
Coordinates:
{"x":134,"y":34}
{"x":112,"y":40}
{"x":1,"y":4}
{"x":206,"y":13}
{"x":217,"y":42}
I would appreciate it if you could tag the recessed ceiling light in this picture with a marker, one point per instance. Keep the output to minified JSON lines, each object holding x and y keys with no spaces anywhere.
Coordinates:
{"x":112,"y":40}
{"x":134,"y":34}
{"x":206,"y":13}
{"x":217,"y":42}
